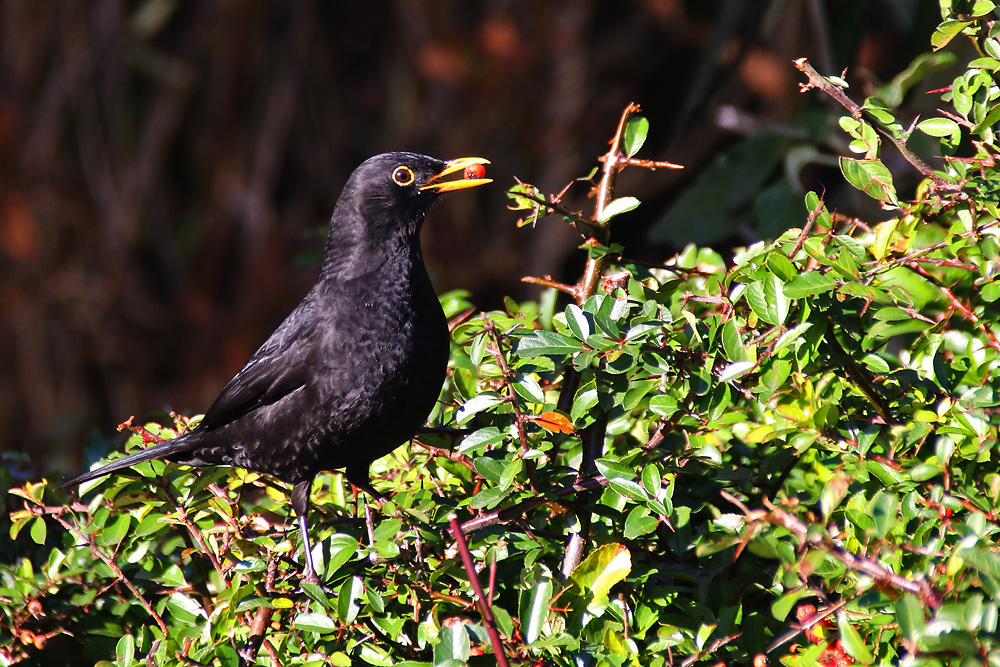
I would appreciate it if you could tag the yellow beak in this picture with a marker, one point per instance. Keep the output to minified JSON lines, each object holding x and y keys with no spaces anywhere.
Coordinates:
{"x":450,"y":168}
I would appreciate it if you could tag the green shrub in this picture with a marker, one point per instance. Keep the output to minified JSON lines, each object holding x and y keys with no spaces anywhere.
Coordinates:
{"x":791,"y":453}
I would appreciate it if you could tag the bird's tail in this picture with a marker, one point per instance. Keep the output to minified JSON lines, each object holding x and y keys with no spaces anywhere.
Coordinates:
{"x":162,"y":450}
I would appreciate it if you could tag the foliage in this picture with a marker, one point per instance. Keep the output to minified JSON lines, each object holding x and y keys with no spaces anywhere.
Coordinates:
{"x":791,"y":453}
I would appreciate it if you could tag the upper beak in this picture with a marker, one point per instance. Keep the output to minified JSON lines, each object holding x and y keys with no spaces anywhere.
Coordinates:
{"x":451,"y":167}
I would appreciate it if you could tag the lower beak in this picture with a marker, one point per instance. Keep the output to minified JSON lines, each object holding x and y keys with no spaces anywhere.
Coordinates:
{"x":451,"y":167}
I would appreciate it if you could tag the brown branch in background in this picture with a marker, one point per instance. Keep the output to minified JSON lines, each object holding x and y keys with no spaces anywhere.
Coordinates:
{"x":652,"y":165}
{"x":700,"y":654}
{"x":881,"y":266}
{"x":460,"y":318}
{"x":816,"y":80}
{"x":604,"y":191}
{"x":859,"y":375}
{"x":477,"y":588}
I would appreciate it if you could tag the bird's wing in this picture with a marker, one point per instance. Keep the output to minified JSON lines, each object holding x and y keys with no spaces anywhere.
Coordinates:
{"x":278,"y":368}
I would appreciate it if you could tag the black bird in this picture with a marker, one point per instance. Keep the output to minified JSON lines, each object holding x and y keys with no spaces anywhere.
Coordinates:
{"x":354,"y":370}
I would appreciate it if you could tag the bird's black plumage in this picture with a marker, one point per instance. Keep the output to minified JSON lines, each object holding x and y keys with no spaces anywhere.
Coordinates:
{"x":354,"y":370}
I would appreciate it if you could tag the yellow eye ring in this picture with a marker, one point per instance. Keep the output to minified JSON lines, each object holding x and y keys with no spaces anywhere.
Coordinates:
{"x":403,"y":176}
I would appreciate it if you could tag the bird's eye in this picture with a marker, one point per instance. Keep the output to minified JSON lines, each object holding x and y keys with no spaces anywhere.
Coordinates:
{"x":403,"y":176}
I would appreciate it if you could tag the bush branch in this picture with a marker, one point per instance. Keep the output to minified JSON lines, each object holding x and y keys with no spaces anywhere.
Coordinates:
{"x":873,"y":569}
{"x":477,"y":589}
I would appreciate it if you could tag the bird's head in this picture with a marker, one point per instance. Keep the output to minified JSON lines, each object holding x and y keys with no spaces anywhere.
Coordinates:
{"x":384,"y":202}
{"x":405,"y":184}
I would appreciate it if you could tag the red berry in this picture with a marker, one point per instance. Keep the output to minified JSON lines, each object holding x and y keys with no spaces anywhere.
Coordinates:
{"x":475,"y":171}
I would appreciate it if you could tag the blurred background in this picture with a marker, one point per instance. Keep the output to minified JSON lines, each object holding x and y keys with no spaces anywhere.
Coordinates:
{"x":167,"y":168}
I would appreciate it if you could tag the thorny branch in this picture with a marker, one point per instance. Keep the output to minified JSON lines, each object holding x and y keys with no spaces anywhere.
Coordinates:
{"x":778,"y":517}
{"x":956,"y":304}
{"x":816,"y":80}
{"x":107,"y":560}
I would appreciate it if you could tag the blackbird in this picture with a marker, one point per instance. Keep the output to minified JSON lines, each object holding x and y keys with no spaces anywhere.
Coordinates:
{"x":354,"y":370}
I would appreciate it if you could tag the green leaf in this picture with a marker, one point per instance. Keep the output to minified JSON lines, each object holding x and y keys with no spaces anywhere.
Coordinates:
{"x":852,"y":641}
{"x":781,"y":266}
{"x":490,"y":468}
{"x":663,"y":405}
{"x":125,"y":650}
{"x":984,"y":560}
{"x":38,"y":530}
{"x":314,"y":622}
{"x":808,"y":284}
{"x":767,"y":299}
{"x":343,"y":548}
{"x":544,"y":343}
{"x":639,"y":523}
{"x":990,"y":292}
{"x":601,"y":570}
{"x":940,"y":127}
{"x":735,"y":370}
{"x":790,"y":337}
{"x":453,"y":645}
{"x":115,"y":531}
{"x":946,"y":32}
{"x":617,"y":207}
{"x":477,"y":404}
{"x":884,"y":509}
{"x":883,"y":235}
{"x":910,"y":616}
{"x":504,"y":622}
{"x":347,"y":599}
{"x":636,"y":130}
{"x":732,"y":343}
{"x":871,"y":177}
{"x":485,"y":436}
{"x":533,"y":607}
{"x":578,"y":322}
{"x":833,"y":492}
{"x":185,"y":609}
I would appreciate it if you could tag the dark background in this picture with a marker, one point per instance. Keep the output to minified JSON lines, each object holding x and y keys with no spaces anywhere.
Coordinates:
{"x":167,"y":168}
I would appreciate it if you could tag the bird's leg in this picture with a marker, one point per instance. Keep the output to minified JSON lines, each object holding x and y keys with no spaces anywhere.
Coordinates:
{"x":358,"y":476}
{"x":300,"y":503}
{"x":373,"y":555}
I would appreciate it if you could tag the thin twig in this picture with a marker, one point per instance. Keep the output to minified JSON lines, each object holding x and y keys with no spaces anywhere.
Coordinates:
{"x":457,"y":457}
{"x":477,"y":588}
{"x":182,"y":516}
{"x":107,"y":560}
{"x":957,"y":304}
{"x":519,"y":418}
{"x":517,"y":511}
{"x":815,"y":619}
{"x":548,"y":282}
{"x":810,"y":221}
